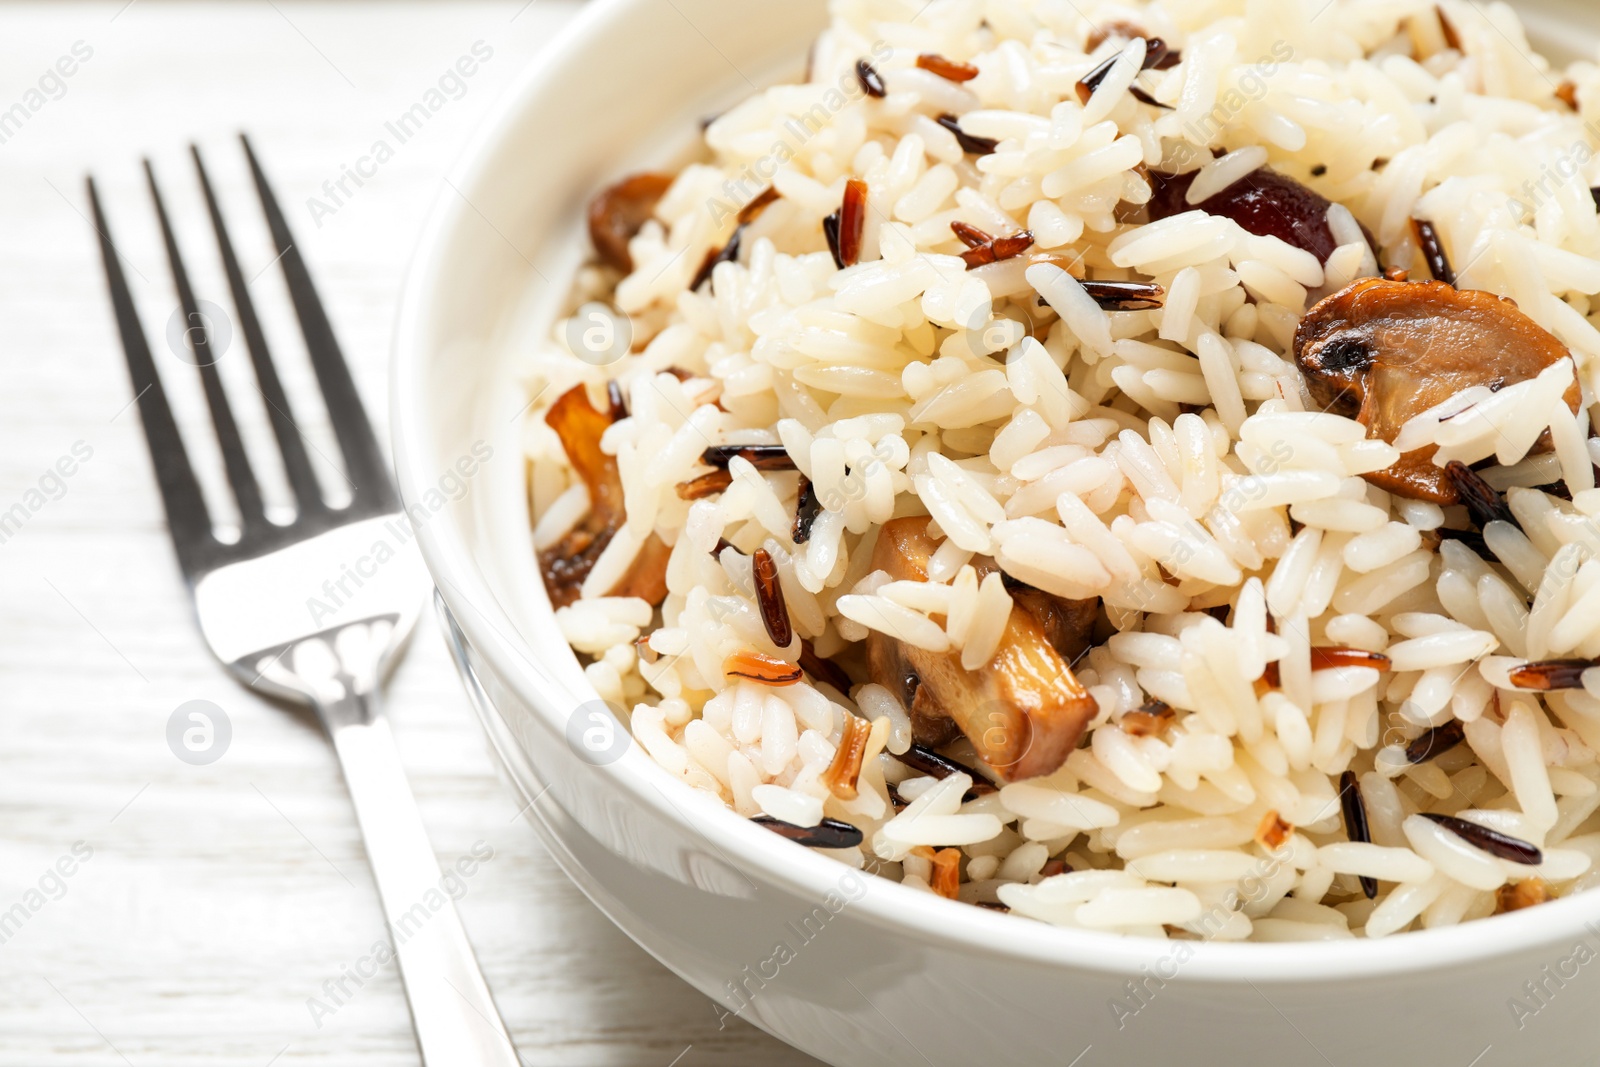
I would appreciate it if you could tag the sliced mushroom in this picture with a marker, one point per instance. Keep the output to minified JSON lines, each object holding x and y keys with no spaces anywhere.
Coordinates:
{"x":566,"y":564}
{"x":1264,"y":202}
{"x":647,"y":577}
{"x":1381,"y":352}
{"x":1024,"y":711}
{"x":1067,"y":624}
{"x":619,"y":212}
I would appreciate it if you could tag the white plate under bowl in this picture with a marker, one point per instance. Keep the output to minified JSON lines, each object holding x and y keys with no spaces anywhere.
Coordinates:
{"x":853,"y":970}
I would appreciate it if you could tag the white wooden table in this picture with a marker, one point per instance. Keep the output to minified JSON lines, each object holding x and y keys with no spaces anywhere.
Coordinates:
{"x":218,"y":900}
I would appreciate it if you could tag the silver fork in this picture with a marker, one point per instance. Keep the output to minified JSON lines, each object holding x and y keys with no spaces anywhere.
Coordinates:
{"x":314,"y":611}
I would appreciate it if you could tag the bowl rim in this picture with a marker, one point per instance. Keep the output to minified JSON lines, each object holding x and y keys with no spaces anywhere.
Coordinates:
{"x":886,"y":904}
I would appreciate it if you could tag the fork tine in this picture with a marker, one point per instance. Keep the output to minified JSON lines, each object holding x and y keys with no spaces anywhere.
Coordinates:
{"x":363,"y":461}
{"x":242,"y":479}
{"x":296,"y":464}
{"x":187,"y":516}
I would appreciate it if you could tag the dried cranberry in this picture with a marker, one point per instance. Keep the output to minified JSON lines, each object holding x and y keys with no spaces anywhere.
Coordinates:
{"x":1265,"y":202}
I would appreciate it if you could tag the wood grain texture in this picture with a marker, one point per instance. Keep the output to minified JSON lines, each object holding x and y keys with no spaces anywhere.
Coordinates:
{"x":218,"y":899}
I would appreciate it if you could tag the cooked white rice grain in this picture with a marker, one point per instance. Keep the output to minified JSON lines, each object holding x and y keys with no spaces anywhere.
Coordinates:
{"x":1195,"y":865}
{"x":1375,"y":861}
{"x":1154,"y":906}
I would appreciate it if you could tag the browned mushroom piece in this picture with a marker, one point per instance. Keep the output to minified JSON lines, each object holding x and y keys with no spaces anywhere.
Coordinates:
{"x":647,"y":577}
{"x":619,"y":212}
{"x":1066,"y":623}
{"x":566,"y":564}
{"x":1381,"y":352}
{"x":1024,"y":711}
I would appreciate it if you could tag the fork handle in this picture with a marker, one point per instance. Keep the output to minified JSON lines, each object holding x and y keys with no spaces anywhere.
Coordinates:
{"x":454,"y":1016}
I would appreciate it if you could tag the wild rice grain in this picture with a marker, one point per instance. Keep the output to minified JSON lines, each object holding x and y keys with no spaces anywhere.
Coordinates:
{"x":1155,"y":54}
{"x":947,"y":69}
{"x":705,"y":485}
{"x":830,"y":833}
{"x":871,"y":81}
{"x":823,"y":670}
{"x":1151,"y":720}
{"x":1433,"y":251}
{"x":970,"y":235}
{"x":1013,"y":245}
{"x":924,"y":759}
{"x":1126,"y":296}
{"x":805,"y":512}
{"x":1355,"y":823}
{"x":1483,"y":501}
{"x":830,"y":230}
{"x":843,"y":774}
{"x":1497,"y":844}
{"x":769,"y":598}
{"x":996,"y":249}
{"x":852,"y":221}
{"x":1327,"y":659}
{"x":970,"y":144}
{"x":1091,"y":81}
{"x":762,"y":669}
{"x":1435,"y":742}
{"x":1145,"y":98}
{"x":754,"y":209}
{"x":1552,"y":674}
{"x":728,"y":253}
{"x":761,"y":457}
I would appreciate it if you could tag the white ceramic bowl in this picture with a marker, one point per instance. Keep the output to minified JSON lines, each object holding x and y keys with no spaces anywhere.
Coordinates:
{"x":851,"y":969}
